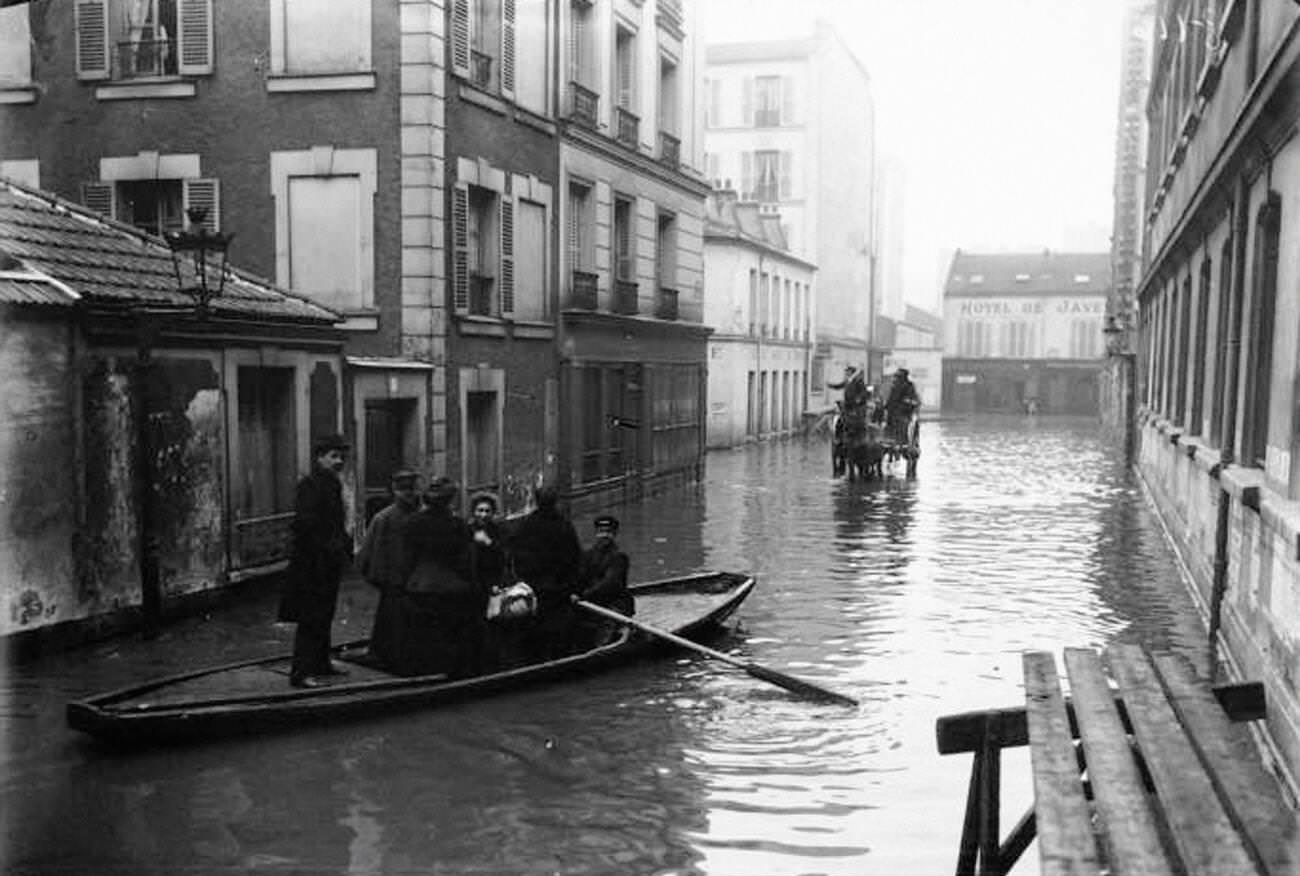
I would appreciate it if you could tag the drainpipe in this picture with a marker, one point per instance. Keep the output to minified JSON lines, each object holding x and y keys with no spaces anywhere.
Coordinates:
{"x":1232,"y":365}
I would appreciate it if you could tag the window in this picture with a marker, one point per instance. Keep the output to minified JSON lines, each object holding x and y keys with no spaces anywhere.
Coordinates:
{"x":1085,"y":339}
{"x":15,"y":53}
{"x":484,"y":239}
{"x":310,"y":38}
{"x":579,"y":47}
{"x":767,"y":101}
{"x":1259,"y":352}
{"x":578,"y":239}
{"x":1015,"y":340}
{"x":668,"y":113}
{"x":766,"y":175}
{"x":482,"y":438}
{"x":666,"y":251}
{"x":483,"y":244}
{"x":1221,"y":348}
{"x":1200,"y":351}
{"x":713,"y":169}
{"x":483,"y":42}
{"x":753,"y":302}
{"x":974,"y":339}
{"x":625,"y":69}
{"x":531,"y":299}
{"x":324,"y":224}
{"x":610,"y":402}
{"x":532,"y":50}
{"x":154,"y":205}
{"x":143,"y":39}
{"x":624,"y":254}
{"x":713,"y":109}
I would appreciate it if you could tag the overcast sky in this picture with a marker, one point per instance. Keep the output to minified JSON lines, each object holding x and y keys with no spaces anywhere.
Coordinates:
{"x":1002,"y":111}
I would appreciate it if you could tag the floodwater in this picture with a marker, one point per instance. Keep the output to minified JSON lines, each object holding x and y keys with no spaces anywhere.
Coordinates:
{"x":915,"y":596}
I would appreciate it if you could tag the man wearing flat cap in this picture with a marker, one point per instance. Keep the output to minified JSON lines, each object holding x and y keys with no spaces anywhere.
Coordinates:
{"x":321,"y":550}
{"x":602,"y":577}
{"x":382,"y":561}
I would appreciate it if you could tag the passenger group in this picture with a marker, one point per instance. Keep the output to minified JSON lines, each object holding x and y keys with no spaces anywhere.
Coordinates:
{"x":456,"y":597}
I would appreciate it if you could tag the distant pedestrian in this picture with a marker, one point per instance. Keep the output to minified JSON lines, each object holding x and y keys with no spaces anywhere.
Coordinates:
{"x":382,"y":562}
{"x":546,"y":554}
{"x":602,"y":580}
{"x":321,"y":551}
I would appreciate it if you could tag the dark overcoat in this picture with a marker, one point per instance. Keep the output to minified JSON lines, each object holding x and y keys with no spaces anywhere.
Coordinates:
{"x":546,"y":554}
{"x":604,"y":577}
{"x":321,"y":550}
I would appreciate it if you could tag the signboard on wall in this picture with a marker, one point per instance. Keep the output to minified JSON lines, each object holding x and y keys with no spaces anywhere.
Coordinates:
{"x":967,"y":378}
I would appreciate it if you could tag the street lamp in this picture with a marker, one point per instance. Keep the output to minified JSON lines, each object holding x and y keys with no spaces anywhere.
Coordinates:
{"x":199,"y":260}
{"x":196,"y":276}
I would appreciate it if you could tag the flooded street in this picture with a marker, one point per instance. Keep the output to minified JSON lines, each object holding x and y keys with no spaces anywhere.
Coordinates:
{"x":914,"y":596}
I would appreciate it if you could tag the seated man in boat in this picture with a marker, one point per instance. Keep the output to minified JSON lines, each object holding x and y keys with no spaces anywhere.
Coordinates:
{"x":602,"y":580}
{"x":546,"y":553}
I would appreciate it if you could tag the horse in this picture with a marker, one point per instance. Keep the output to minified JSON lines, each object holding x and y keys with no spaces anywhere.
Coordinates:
{"x":856,"y":448}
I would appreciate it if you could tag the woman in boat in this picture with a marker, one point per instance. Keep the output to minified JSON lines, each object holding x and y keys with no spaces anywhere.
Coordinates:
{"x":382,"y":566}
{"x":546,"y":553}
{"x":442,"y":608}
{"x":489,"y":566}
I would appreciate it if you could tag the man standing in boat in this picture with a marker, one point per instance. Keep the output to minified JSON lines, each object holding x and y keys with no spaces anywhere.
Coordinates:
{"x":546,"y":554}
{"x":602,"y":577}
{"x":321,"y":550}
{"x":856,"y":391}
{"x":382,"y":561}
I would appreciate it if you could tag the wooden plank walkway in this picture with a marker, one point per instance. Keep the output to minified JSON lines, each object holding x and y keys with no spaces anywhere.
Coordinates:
{"x":1146,"y":775}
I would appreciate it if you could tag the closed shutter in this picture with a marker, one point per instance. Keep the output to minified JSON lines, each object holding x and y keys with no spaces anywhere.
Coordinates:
{"x":508,"y":255}
{"x":100,"y":197}
{"x":91,"y":18}
{"x":460,"y":247}
{"x":460,"y":37}
{"x":508,"y":48}
{"x":577,"y":23}
{"x":194,"y":24}
{"x":786,"y":189}
{"x":575,"y":230}
{"x":205,"y":193}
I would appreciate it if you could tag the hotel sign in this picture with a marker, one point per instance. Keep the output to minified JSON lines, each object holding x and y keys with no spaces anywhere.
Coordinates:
{"x":1012,"y":307}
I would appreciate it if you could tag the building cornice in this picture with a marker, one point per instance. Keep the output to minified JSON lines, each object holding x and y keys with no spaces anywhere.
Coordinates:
{"x":642,"y":164}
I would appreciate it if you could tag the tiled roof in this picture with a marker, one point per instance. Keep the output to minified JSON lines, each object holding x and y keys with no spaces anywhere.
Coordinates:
{"x":27,"y":287}
{"x":1037,"y":273}
{"x":107,"y":262}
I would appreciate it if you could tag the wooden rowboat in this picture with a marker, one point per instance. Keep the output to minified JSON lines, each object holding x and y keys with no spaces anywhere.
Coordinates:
{"x":254,"y":695}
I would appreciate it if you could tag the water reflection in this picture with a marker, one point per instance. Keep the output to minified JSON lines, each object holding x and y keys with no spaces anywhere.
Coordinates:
{"x":915,"y":596}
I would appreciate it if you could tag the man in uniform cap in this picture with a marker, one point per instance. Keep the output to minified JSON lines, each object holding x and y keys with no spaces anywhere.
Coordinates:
{"x":321,"y":550}
{"x":602,"y":580}
{"x":382,"y":561}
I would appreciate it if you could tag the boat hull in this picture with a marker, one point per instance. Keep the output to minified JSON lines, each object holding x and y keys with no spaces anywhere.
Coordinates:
{"x":254,"y":697}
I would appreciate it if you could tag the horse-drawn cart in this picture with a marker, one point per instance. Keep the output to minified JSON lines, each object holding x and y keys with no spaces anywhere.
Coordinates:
{"x":864,"y":440}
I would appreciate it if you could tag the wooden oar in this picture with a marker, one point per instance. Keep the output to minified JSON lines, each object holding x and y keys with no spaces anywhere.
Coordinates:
{"x":780,"y":679}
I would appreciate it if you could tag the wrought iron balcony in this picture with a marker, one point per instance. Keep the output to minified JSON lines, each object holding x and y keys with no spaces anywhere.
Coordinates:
{"x":582,"y":294}
{"x":666,"y":307}
{"x":629,"y":127}
{"x":480,"y":69}
{"x":583,"y":105}
{"x":670,"y":149}
{"x":145,"y":58}
{"x":480,"y":294}
{"x":625,"y":297}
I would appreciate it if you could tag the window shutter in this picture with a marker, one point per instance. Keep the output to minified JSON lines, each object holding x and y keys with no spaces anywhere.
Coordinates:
{"x":575,"y":230}
{"x":508,"y":48}
{"x":91,"y":18}
{"x":460,"y":37}
{"x":576,"y":26}
{"x":203,"y":193}
{"x":786,"y":183}
{"x":460,"y":247}
{"x":787,"y":100}
{"x":746,"y":175}
{"x":194,"y":38}
{"x":747,"y":103}
{"x":100,"y":197}
{"x":507,"y":255}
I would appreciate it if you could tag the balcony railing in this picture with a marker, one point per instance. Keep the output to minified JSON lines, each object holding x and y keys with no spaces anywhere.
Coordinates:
{"x":666,"y":306}
{"x":767,"y":118}
{"x":670,"y":149}
{"x":625,"y":297}
{"x":583,"y":105}
{"x":629,"y":127}
{"x":144,"y":58}
{"x":480,"y":294}
{"x":583,"y":291}
{"x":480,"y":69}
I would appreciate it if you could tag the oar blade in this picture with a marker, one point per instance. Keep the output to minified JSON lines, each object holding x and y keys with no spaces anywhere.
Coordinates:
{"x":798,"y":685}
